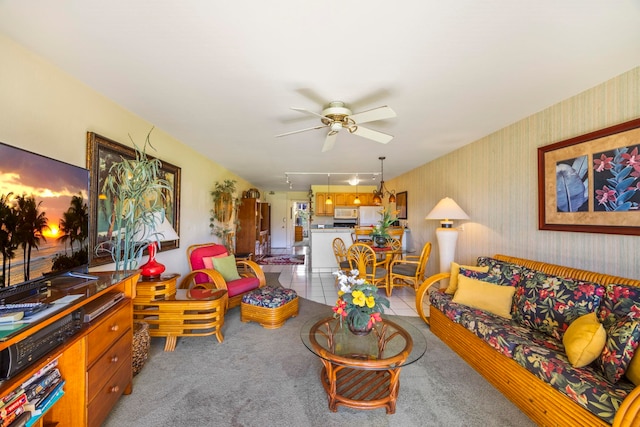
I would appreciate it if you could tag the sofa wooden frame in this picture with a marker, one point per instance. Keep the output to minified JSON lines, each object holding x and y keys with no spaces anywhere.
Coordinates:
{"x":537,"y":399}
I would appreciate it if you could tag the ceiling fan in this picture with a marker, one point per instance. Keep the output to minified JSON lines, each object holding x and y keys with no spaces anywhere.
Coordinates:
{"x":337,"y":116}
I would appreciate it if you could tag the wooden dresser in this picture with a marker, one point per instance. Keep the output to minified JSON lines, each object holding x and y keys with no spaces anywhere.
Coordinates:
{"x":95,"y":362}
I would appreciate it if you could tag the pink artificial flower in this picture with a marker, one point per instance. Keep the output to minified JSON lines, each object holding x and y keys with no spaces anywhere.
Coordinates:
{"x":373,"y":318}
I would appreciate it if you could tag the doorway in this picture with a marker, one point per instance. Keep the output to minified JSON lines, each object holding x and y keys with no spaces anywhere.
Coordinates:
{"x":301,"y":223}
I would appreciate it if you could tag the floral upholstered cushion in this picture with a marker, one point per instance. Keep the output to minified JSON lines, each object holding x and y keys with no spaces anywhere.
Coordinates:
{"x":619,"y":301}
{"x":442,"y":302}
{"x":507,"y":272}
{"x":587,"y":386}
{"x":269,"y":297}
{"x":550,"y":303}
{"x":622,"y":342}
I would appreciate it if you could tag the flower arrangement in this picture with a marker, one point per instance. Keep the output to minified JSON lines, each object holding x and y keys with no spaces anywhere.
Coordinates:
{"x":358,"y":301}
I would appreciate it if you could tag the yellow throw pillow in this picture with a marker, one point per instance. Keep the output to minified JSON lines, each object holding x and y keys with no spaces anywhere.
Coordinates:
{"x":495,"y":299}
{"x":633,"y":371}
{"x":455,"y":271}
{"x":584,"y":340}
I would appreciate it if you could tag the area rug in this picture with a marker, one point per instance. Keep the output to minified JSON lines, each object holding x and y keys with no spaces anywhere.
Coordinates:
{"x":266,"y":377}
{"x":280,"y":259}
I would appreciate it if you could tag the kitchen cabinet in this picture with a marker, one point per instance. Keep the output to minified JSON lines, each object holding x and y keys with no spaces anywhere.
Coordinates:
{"x":323,"y":209}
{"x":340,"y":199}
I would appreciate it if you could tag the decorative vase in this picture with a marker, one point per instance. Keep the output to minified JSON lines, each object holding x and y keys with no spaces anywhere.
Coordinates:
{"x":380,"y":241}
{"x":357,"y":331}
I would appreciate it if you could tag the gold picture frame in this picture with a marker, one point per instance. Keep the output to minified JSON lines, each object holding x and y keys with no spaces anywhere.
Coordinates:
{"x":591,"y":183}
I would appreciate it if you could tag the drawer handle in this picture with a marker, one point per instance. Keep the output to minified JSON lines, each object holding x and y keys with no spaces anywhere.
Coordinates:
{"x":114,"y":359}
{"x":114,"y":389}
{"x":114,"y":328}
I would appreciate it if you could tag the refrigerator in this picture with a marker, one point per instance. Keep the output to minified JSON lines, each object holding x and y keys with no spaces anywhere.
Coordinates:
{"x":369,"y":215}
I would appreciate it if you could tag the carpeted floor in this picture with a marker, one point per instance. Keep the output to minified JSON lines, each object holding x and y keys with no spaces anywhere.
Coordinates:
{"x":260,"y":377}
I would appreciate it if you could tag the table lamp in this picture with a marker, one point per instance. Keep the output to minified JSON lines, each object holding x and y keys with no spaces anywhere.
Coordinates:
{"x":152,"y":232}
{"x":447,"y":210}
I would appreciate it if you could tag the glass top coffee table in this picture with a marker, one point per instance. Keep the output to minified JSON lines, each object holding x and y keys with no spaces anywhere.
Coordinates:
{"x":363,"y":372}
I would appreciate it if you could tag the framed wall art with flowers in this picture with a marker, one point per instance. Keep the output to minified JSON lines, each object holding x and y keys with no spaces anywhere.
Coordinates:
{"x":591,"y":183}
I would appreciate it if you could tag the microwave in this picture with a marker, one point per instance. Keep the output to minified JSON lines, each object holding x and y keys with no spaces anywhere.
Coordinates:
{"x":345,"y":213}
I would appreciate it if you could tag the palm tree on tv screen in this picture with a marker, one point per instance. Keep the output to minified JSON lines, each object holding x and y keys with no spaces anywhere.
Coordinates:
{"x":31,"y":224}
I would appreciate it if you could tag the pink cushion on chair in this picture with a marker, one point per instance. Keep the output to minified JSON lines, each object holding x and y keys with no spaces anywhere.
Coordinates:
{"x":208,"y":261}
{"x":236,"y":287}
{"x":197,"y":259}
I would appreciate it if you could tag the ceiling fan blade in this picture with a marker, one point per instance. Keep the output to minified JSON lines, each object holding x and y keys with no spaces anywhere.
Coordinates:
{"x":330,"y":141}
{"x":374,"y":135}
{"x":304,"y":110}
{"x":370,"y":99}
{"x":301,"y":130}
{"x":379,"y":113}
{"x":312,"y":95}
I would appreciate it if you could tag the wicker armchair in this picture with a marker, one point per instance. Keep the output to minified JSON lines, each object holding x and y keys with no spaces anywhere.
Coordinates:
{"x":364,"y":259}
{"x":410,"y":270}
{"x":251,"y":275}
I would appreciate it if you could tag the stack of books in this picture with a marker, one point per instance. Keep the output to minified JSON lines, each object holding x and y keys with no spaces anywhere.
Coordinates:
{"x":26,"y":404}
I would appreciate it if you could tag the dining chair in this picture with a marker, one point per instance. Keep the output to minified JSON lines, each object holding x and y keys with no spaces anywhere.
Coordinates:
{"x":340,"y":252}
{"x":361,"y":234}
{"x":363,"y":258}
{"x":409,"y":271}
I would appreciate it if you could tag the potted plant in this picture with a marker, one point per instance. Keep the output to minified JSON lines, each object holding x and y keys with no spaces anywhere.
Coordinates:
{"x":137,"y":193}
{"x":380,"y":234}
{"x":224,"y":221}
{"x":358,"y":304}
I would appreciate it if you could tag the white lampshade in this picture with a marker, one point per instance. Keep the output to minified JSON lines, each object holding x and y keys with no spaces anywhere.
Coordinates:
{"x":161,"y":230}
{"x":446,"y":210}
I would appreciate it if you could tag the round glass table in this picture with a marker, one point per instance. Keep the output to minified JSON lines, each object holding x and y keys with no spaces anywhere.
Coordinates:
{"x":363,"y":372}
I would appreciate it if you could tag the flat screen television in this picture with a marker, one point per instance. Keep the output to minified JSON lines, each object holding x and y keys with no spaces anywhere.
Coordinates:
{"x":44,"y":217}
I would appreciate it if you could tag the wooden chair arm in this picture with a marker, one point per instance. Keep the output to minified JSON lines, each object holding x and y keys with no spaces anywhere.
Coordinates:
{"x":256,"y":271}
{"x":628,"y":414}
{"x":422,"y":291}
{"x":189,"y":282}
{"x":404,"y":261}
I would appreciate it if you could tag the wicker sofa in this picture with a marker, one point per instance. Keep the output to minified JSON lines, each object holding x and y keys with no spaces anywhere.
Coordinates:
{"x":524,"y":357}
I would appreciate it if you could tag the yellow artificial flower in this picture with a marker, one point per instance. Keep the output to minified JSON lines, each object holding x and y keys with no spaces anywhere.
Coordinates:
{"x":358,"y":298}
{"x":371,"y":301}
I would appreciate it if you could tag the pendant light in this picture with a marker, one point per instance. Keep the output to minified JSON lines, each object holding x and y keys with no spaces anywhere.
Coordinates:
{"x":328,"y":200}
{"x":356,"y":201}
{"x":379,"y":194}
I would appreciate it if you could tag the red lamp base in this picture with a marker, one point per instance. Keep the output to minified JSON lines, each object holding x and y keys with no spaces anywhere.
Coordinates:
{"x":152,"y":269}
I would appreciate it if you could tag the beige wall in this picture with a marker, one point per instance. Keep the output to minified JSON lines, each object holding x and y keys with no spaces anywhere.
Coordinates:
{"x":44,"y":110}
{"x":494,"y":181}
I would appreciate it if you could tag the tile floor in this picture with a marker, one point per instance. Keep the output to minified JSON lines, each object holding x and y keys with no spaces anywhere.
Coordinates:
{"x":320,"y":286}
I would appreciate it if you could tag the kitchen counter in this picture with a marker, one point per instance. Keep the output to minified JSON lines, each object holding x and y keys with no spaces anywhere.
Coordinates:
{"x":321,"y":245}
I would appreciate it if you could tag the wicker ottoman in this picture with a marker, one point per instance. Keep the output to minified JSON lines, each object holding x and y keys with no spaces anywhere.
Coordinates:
{"x":268,"y":306}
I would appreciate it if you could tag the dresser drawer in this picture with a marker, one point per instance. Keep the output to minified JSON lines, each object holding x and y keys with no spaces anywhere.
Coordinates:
{"x":107,"y":364}
{"x":109,"y":330}
{"x":107,"y":396}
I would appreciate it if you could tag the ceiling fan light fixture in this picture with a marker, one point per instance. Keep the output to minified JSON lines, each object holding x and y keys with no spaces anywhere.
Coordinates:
{"x":336,"y":126}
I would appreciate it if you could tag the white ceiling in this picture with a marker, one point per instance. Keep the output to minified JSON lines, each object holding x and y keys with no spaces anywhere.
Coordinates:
{"x":221,"y":76}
